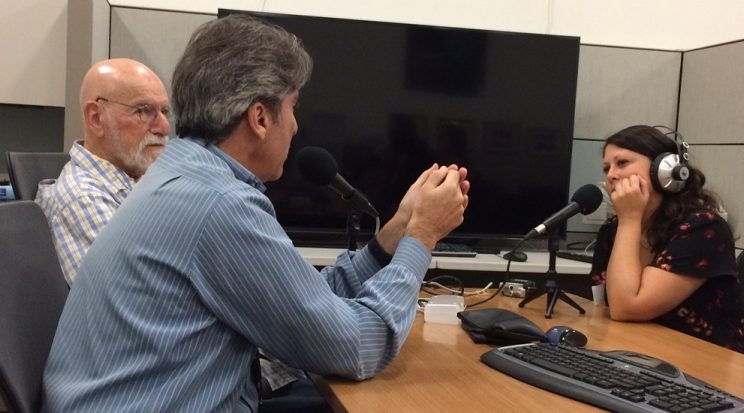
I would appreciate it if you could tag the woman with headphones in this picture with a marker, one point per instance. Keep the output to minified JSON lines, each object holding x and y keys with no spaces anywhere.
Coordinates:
{"x":666,"y":256}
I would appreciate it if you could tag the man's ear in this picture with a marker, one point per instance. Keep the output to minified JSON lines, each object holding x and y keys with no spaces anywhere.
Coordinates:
{"x":258,"y":118}
{"x":93,"y":118}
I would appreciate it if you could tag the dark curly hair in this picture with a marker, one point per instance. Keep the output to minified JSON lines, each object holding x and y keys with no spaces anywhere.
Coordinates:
{"x":651,"y":142}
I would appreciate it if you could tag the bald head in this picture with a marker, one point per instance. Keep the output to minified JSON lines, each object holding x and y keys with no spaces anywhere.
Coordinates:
{"x":124,"y":106}
{"x":117,"y":76}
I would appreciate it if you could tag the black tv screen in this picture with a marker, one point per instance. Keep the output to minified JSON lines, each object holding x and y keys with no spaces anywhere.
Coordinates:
{"x":389,"y":99}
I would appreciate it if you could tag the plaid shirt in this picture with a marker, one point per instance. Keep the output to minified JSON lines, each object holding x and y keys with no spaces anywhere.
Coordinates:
{"x":80,"y":202}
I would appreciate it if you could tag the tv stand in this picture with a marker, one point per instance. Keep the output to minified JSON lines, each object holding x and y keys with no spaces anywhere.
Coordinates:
{"x":537,"y":263}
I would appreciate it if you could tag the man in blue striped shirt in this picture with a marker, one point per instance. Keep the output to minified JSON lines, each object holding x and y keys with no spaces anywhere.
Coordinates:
{"x":193,"y":273}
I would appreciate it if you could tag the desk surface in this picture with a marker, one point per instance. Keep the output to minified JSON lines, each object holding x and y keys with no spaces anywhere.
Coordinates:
{"x":537,"y":262}
{"x":439,"y":370}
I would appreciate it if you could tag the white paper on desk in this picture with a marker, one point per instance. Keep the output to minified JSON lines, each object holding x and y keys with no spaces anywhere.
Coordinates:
{"x":598,"y":294}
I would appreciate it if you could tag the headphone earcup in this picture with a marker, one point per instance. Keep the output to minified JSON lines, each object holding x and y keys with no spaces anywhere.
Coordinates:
{"x":667,"y":174}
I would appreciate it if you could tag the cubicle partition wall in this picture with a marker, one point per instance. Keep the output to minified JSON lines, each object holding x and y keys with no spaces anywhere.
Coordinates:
{"x":156,"y":38}
{"x":618,"y":87}
{"x":711,"y":118}
{"x":29,"y":129}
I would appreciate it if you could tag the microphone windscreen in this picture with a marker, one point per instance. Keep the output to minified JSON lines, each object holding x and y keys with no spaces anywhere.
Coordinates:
{"x":589,"y":197}
{"x":316,"y":165}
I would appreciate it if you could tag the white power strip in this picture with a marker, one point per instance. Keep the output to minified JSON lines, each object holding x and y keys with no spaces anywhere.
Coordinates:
{"x":443,"y":309}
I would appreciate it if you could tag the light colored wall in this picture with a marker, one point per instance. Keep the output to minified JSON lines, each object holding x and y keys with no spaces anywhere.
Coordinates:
{"x":33,"y":44}
{"x":658,"y":24}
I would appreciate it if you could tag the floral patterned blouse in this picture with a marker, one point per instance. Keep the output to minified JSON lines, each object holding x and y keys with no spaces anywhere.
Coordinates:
{"x":701,"y":246}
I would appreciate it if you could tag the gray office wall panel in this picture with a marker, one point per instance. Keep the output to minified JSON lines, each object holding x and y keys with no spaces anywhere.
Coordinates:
{"x":29,"y":129}
{"x":724,"y":171}
{"x":712,"y":97}
{"x":586,"y":168}
{"x":88,"y":33}
{"x":711,"y":107}
{"x":155,"y":38}
{"x":620,"y":87}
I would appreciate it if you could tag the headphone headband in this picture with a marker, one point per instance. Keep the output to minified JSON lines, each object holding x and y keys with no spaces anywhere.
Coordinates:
{"x":679,"y":141}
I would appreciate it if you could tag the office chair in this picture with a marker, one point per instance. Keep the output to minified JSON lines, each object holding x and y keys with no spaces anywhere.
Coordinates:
{"x":32,"y":294}
{"x":26,"y":169}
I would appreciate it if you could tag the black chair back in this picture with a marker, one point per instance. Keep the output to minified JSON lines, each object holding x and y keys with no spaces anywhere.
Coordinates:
{"x":32,"y":294}
{"x":27,"y":169}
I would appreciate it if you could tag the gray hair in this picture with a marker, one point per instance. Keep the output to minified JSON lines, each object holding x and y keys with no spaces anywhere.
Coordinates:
{"x":228,"y":65}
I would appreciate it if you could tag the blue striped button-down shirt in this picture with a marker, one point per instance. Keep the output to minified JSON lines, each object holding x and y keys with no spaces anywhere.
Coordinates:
{"x":193,"y":274}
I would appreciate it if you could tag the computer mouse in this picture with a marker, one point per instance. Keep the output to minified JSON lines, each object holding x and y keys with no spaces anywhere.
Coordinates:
{"x":566,"y":335}
{"x":517,"y":256}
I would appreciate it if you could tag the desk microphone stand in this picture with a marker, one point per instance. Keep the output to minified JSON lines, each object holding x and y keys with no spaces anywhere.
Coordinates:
{"x":353,"y":227}
{"x":552,"y":289}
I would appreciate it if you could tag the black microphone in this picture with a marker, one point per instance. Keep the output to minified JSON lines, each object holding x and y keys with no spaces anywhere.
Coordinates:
{"x":585,"y":200}
{"x":318,"y":166}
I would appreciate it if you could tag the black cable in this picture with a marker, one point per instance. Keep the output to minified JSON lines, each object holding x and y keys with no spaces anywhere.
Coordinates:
{"x":578,"y":245}
{"x":506,"y":276}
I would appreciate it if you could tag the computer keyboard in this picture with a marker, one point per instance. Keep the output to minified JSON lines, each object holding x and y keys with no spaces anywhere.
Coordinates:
{"x":619,"y":381}
{"x":448,"y":249}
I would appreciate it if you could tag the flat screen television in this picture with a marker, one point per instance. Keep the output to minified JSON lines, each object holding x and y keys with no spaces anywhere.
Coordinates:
{"x":389,"y":99}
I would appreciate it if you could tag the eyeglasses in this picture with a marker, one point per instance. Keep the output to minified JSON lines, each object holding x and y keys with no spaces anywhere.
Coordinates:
{"x":146,"y":112}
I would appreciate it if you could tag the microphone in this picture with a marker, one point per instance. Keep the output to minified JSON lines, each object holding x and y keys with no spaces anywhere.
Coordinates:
{"x":585,"y":200}
{"x":318,"y":166}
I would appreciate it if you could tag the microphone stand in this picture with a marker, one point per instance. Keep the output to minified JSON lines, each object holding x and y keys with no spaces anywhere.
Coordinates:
{"x":552,"y":289}
{"x":353,"y":227}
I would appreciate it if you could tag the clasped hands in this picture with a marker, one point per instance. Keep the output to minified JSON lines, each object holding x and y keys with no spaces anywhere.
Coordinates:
{"x":431,"y":208}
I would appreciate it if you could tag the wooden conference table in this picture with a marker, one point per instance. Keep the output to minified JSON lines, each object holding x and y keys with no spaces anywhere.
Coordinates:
{"x":439,"y":370}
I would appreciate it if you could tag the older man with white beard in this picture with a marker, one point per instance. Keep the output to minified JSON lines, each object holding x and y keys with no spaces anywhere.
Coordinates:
{"x":125,"y":117}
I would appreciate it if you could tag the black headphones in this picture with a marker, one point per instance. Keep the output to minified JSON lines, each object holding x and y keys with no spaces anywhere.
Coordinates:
{"x":669,"y":171}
